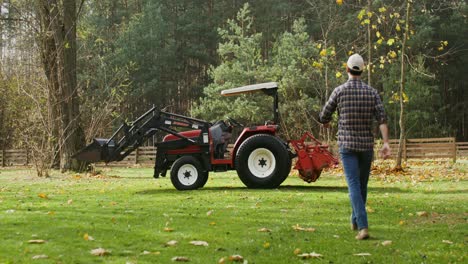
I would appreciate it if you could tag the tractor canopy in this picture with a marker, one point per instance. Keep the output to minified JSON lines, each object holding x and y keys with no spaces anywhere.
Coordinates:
{"x":269,"y":88}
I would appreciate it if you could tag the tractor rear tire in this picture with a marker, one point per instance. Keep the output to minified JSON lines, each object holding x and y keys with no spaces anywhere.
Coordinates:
{"x":188,"y":174}
{"x":263,"y":161}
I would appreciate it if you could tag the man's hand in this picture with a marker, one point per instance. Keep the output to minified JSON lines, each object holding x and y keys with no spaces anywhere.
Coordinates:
{"x":385,"y":152}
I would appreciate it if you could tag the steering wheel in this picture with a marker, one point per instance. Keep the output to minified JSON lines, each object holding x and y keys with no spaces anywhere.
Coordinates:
{"x":234,"y":122}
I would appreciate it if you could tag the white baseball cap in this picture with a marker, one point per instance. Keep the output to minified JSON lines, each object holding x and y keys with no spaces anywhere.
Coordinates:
{"x":355,"y":63}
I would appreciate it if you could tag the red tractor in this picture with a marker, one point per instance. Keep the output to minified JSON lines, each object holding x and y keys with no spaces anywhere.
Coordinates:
{"x":261,"y":159}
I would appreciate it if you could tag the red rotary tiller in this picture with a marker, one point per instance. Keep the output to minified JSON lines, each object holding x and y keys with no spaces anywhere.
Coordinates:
{"x":312,"y":157}
{"x":260,"y":157}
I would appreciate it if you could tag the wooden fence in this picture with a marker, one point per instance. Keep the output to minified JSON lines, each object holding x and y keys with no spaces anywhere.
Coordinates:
{"x":425,"y":148}
{"x":144,"y":156}
{"x":462,"y":149}
{"x":14,"y":157}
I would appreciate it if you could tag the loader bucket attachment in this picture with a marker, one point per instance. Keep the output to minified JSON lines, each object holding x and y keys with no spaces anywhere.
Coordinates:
{"x":97,"y":151}
{"x":312,"y":157}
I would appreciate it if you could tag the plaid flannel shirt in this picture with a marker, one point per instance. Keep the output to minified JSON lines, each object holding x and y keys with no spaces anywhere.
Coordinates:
{"x":358,"y":105}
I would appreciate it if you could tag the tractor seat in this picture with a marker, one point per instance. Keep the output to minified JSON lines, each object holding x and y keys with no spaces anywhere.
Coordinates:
{"x":220,"y":134}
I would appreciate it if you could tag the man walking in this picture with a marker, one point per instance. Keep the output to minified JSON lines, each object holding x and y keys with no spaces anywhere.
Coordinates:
{"x":358,"y":105}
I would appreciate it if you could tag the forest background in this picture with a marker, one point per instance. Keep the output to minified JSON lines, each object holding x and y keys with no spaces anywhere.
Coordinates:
{"x":72,"y":70}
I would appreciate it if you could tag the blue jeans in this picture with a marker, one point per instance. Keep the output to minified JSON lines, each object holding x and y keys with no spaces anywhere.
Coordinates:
{"x":357,"y":166}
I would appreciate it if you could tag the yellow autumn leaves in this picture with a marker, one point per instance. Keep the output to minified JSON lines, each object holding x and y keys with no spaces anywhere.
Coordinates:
{"x":392,"y":54}
{"x":442,"y":45}
{"x":387,"y":25}
{"x":330,"y":51}
{"x":323,"y":55}
{"x":396,"y":97}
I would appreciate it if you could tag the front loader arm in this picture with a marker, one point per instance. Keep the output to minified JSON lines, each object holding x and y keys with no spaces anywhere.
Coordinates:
{"x":127,"y":138}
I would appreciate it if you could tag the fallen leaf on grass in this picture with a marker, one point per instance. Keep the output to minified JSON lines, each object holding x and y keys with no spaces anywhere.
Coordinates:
{"x":100,"y":252}
{"x":297,"y":251}
{"x":168,"y":229}
{"x":422,"y":213}
{"x":43,"y":196}
{"x":88,"y":237}
{"x":51,"y":213}
{"x":172,"y":243}
{"x":233,"y":258}
{"x":264,"y":229}
{"x":146,"y":252}
{"x":36,"y":241}
{"x":266,"y":245}
{"x":40,"y":257}
{"x":181,"y":259}
{"x":209,"y":212}
{"x":306,"y":229}
{"x":70,"y":201}
{"x":386,"y":243}
{"x":199,"y":243}
{"x":447,"y":242}
{"x":236,"y":258}
{"x":310,"y":255}
{"x":362,"y":254}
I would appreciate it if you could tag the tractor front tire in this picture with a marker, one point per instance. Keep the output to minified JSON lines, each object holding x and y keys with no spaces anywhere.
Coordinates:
{"x":187,"y":174}
{"x":263,"y":161}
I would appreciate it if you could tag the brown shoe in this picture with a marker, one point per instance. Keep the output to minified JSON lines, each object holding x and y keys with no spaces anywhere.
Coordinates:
{"x":354,"y":227}
{"x":363,"y":234}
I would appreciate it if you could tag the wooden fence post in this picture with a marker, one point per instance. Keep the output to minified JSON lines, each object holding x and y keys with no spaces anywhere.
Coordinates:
{"x":454,"y":150}
{"x":136,"y":155}
{"x":404,"y":150}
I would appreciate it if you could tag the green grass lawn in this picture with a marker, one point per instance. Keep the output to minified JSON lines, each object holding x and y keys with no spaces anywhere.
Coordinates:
{"x":133,"y":216}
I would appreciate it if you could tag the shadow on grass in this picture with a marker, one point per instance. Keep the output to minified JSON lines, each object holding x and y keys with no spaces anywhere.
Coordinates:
{"x":285,"y":188}
{"x":464,"y":191}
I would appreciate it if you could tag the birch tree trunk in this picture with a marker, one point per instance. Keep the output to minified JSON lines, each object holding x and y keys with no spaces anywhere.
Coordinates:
{"x":402,"y":88}
{"x":369,"y":46}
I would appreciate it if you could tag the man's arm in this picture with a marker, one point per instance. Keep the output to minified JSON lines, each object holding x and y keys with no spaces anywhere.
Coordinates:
{"x":384,"y":131}
{"x":326,"y":115}
{"x":385,"y":152}
{"x":381,"y":117}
